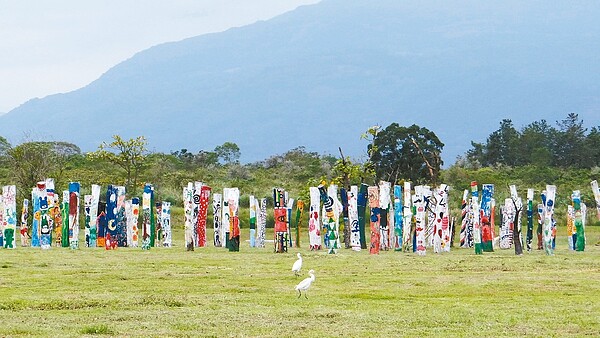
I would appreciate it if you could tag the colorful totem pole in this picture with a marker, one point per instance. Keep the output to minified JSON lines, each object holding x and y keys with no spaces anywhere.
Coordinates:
{"x":234,"y":221}
{"x":353,"y":218}
{"x":121,"y":220}
{"x":201,"y":200}
{"x":74,"y":215}
{"x":540,"y":220}
{"x":420,"y":221}
{"x":299,"y":214}
{"x":466,"y":238}
{"x":362,"y":200}
{"x":529,"y":237}
{"x":35,"y":224}
{"x":384,"y":208}
{"x":93,"y":225}
{"x":476,"y":218}
{"x":24,"y":227}
{"x":578,"y":221}
{"x":280,"y":215}
{"x":253,"y":208}
{"x":375,"y":219}
{"x":333,"y":210}
{"x":571,"y":232}
{"x":45,"y":222}
{"x":64,"y":209}
{"x":507,"y":228}
{"x":596,"y":192}
{"x":487,"y":239}
{"x":398,"y":221}
{"x":87,"y":206}
{"x":148,"y":225}
{"x":346,"y":226}
{"x":133,"y":222}
{"x":217,"y":211}
{"x":225,"y":219}
{"x":407,"y":221}
{"x":102,"y":225}
{"x":110,"y":237}
{"x":314,"y":221}
{"x":9,"y":202}
{"x":165,"y":216}
{"x":548,"y":213}
{"x":442,"y":223}
{"x":47,"y":215}
{"x":188,"y":210}
{"x":56,"y":216}
{"x":262,"y":224}
{"x":518,"y":206}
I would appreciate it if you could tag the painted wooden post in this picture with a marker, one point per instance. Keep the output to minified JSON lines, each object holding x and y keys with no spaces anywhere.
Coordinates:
{"x":289,"y":205}
{"x":74,"y":215}
{"x":159,"y":228}
{"x":1,"y":219}
{"x":529,"y":237}
{"x":407,"y":222}
{"x":375,"y":219}
{"x":465,"y":239}
{"x":64,"y":208}
{"x":147,"y":217}
{"x":487,"y":194}
{"x":333,"y":232}
{"x":508,"y":226}
{"x":201,"y":199}
{"x":49,"y":216}
{"x":252,"y":210}
{"x":419,"y":203}
{"x":9,"y":194}
{"x":121,"y":232}
{"x":102,"y":225}
{"x":398,"y":221}
{"x":36,"y":224}
{"x":133,"y":221}
{"x":430,"y":202}
{"x":299,"y":218}
{"x":548,"y":213}
{"x":362,"y":200}
{"x":262,"y":223}
{"x":384,"y":206}
{"x":596,"y":192}
{"x":24,"y":225}
{"x":571,"y":232}
{"x":476,"y":218}
{"x":225,"y":219}
{"x":188,"y":211}
{"x":279,"y":215}
{"x":353,"y":218}
{"x":518,"y":207}
{"x":93,"y":230}
{"x":234,"y":221}
{"x":442,"y":223}
{"x":578,"y":221}
{"x":347,"y":227}
{"x":217,"y":212}
{"x":87,"y":206}
{"x":314,"y":220}
{"x":166,"y":224}
{"x":110,"y":237}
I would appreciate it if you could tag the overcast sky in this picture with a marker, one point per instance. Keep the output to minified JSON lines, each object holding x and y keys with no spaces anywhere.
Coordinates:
{"x":56,"y":46}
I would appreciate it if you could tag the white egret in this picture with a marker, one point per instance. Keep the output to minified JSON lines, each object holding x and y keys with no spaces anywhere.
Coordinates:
{"x":297,"y":265}
{"x":305,"y":284}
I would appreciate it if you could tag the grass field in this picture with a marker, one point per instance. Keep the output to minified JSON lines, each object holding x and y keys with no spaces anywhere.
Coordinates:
{"x":212,"y":292}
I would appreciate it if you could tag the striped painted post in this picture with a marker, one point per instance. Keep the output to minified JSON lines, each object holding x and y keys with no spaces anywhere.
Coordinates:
{"x":24,"y":225}
{"x":9,"y":202}
{"x":529,"y":237}
{"x":398,"y":221}
{"x":407,"y":222}
{"x":314,"y":220}
{"x":217,"y":211}
{"x":384,"y":206}
{"x":353,"y":218}
{"x":548,"y":213}
{"x":165,"y":220}
{"x":466,"y":239}
{"x":578,"y":221}
{"x":375,"y":219}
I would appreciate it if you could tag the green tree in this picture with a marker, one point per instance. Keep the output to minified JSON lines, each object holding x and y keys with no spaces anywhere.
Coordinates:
{"x":228,"y":152}
{"x":570,"y":143}
{"x":412,"y":153}
{"x":537,"y":144}
{"x":130,"y":155}
{"x":502,"y":146}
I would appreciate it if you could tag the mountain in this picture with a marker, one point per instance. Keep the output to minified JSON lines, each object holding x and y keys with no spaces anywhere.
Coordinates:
{"x":320,"y":75}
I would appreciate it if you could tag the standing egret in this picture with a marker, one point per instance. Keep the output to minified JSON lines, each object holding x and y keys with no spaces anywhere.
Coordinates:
{"x":305,"y":284}
{"x":297,"y":265}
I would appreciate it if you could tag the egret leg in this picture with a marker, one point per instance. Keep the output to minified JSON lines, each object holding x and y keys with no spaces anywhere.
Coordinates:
{"x":306,"y":294}
{"x":299,"y":293}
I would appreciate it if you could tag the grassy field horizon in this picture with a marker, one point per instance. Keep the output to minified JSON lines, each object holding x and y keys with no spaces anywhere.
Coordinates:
{"x":211,"y":292}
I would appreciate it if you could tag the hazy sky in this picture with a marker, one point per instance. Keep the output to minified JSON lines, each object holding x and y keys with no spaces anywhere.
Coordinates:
{"x":56,"y":46}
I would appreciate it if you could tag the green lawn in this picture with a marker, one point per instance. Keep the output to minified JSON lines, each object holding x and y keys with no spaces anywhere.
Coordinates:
{"x":212,"y":292}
